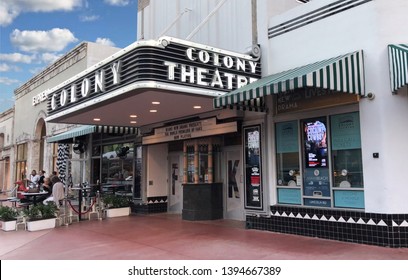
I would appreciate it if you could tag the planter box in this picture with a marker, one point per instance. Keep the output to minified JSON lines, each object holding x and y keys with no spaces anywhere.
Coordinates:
{"x":8,"y":226}
{"x":41,"y":224}
{"x":117,"y":212}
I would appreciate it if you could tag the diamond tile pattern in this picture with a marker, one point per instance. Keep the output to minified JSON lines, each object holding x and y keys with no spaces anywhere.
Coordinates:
{"x":389,"y":230}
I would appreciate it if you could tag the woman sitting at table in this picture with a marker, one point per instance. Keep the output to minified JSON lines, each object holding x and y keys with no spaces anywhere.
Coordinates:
{"x":20,"y":189}
{"x":58,"y":191}
{"x":47,"y":187}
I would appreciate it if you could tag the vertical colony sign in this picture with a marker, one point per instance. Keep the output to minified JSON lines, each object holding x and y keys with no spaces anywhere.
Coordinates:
{"x":167,"y":60}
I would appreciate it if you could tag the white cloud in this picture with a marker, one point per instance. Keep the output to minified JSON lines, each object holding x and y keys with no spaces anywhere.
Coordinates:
{"x":89,"y":18}
{"x":16,"y":57}
{"x":10,"y":9}
{"x":4,"y":67}
{"x":117,"y":2}
{"x":7,"y":81}
{"x":105,"y":41}
{"x":53,"y":40}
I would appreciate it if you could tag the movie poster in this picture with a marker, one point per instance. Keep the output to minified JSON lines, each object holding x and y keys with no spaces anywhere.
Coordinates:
{"x":253,"y":180}
{"x":315,"y":142}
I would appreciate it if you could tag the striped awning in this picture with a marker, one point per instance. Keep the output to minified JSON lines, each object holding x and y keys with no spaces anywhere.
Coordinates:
{"x":398,"y":59}
{"x":88,"y":129}
{"x":344,"y":73}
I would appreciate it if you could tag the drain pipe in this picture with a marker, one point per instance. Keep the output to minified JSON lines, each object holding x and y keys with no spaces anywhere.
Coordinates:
{"x":254,"y":22}
{"x":207,"y":18}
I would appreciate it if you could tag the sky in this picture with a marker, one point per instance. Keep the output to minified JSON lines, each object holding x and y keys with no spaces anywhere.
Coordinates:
{"x":35,"y":33}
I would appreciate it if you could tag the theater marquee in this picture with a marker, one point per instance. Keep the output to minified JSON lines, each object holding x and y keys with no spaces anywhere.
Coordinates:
{"x":167,"y":60}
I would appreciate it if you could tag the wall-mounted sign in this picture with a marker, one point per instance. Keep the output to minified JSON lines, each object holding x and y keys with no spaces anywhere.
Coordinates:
{"x":311,"y":98}
{"x":253,"y":168}
{"x":316,"y":182}
{"x":189,"y":130}
{"x":345,"y":131}
{"x":167,"y":60}
{"x":287,"y":137}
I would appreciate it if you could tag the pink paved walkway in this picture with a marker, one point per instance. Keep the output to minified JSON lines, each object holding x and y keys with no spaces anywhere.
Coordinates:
{"x":168,"y":237}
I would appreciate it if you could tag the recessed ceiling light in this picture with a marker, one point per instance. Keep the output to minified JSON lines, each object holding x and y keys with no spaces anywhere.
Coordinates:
{"x":133,"y":116}
{"x":97,"y":119}
{"x":197,"y":107}
{"x":153,"y":111}
{"x":133,"y":121}
{"x":155,"y":102}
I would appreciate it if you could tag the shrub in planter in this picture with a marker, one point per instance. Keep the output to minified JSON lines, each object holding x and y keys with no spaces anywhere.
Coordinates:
{"x":116,"y":206}
{"x":8,"y":213}
{"x":8,"y":218}
{"x":115,"y":201}
{"x":41,"y":212}
{"x":41,"y":216}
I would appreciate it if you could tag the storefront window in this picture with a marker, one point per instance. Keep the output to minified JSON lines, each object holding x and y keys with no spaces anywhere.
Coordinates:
{"x":21,"y":162}
{"x":331,"y":173}
{"x":117,"y":167}
{"x":346,"y":151}
{"x":287,"y":152}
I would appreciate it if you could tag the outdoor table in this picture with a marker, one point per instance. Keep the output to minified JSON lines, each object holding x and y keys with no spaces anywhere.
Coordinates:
{"x":112,"y":187}
{"x":34,"y":195}
{"x":80,"y":193}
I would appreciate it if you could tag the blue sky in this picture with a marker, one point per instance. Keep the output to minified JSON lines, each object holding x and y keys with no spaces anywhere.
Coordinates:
{"x":34,"y":33}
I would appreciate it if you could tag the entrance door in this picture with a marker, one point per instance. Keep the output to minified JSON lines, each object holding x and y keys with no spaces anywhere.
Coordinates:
{"x":234,"y":196}
{"x":175,"y":201}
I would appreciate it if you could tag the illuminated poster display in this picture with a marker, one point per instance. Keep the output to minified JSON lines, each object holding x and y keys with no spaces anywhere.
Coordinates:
{"x":316,"y":186}
{"x":315,"y":142}
{"x":253,"y":179}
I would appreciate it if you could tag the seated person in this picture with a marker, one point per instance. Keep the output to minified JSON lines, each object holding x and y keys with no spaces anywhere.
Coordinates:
{"x":21,"y":188}
{"x":58,"y":192}
{"x":47,"y":187}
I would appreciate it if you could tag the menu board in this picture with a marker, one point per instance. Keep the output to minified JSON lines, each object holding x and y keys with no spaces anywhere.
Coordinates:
{"x":253,"y":178}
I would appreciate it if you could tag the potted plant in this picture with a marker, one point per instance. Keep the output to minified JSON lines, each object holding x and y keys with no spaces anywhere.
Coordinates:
{"x":41,"y":216}
{"x":116,"y":206}
{"x":8,"y":217}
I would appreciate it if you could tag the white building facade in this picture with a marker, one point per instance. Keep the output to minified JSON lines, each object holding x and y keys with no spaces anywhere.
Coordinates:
{"x":287,"y":116}
{"x":30,"y":131}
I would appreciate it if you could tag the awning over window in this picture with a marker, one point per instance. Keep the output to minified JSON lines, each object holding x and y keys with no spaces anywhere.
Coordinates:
{"x":88,"y":129}
{"x":398,"y":59}
{"x":343,"y":74}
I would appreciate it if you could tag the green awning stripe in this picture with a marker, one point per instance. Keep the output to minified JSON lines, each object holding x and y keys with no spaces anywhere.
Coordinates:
{"x":72,"y":133}
{"x":88,"y":129}
{"x":398,"y":60}
{"x":343,"y":73}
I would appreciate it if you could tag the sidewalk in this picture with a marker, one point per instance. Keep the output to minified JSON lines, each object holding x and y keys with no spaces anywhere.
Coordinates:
{"x":168,"y":237}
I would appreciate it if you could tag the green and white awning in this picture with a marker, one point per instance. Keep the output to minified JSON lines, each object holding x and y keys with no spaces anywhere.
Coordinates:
{"x":88,"y":129}
{"x":344,"y":73}
{"x":398,"y":59}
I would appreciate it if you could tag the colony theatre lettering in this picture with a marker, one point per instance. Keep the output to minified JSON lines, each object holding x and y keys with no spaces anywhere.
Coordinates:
{"x":99,"y":84}
{"x":189,"y":130}
{"x":152,"y":63}
{"x":216,"y":77}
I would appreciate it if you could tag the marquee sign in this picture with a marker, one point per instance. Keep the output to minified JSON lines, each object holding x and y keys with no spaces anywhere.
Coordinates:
{"x":183,"y":131}
{"x":167,"y":60}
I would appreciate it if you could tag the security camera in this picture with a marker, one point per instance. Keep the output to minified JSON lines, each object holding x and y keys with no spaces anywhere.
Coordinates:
{"x":370,"y":96}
